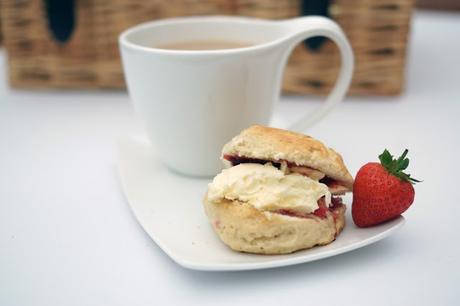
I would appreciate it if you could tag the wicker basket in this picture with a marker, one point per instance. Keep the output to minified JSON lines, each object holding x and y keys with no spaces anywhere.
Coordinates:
{"x":377,"y":29}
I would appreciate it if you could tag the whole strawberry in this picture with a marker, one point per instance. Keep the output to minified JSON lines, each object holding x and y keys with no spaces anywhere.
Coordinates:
{"x":382,"y":191}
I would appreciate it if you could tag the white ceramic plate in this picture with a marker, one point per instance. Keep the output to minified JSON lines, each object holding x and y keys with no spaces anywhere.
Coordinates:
{"x":168,"y":206}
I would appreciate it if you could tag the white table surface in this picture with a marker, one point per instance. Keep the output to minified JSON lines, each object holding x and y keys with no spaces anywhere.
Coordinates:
{"x":67,"y":236}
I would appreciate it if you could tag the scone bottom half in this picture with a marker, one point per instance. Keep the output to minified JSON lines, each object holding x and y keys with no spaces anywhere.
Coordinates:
{"x":246,"y":227}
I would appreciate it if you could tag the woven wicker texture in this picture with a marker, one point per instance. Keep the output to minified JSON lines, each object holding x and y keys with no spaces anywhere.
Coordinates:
{"x":377,"y":30}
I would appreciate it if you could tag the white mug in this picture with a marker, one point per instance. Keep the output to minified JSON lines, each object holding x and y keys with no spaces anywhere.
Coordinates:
{"x":193,"y":101}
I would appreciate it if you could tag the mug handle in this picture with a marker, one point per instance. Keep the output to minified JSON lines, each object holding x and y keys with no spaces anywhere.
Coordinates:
{"x":303,"y":28}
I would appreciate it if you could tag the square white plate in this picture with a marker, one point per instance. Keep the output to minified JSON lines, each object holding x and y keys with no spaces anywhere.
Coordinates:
{"x":169,"y":208}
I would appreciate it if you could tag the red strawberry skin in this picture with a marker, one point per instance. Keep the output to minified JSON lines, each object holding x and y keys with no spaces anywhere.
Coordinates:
{"x":379,"y":196}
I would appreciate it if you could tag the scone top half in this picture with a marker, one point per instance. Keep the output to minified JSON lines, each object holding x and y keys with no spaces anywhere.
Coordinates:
{"x":292,"y":152}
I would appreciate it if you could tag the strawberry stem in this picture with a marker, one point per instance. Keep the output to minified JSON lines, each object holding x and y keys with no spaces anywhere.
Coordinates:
{"x":396,"y":166}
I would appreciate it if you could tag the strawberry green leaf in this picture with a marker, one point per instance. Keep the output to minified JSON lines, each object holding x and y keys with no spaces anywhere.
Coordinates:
{"x":404,"y":164}
{"x":385,"y":158}
{"x":396,"y":166}
{"x":413,"y":181}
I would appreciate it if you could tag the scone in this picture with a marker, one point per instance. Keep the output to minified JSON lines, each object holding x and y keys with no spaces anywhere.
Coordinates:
{"x":300,"y":153}
{"x":280,"y":193}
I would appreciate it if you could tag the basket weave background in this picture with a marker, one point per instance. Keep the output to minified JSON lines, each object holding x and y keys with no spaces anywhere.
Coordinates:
{"x":377,"y":29}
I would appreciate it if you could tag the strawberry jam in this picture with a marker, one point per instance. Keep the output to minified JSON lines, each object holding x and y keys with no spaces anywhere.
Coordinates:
{"x":236,"y":160}
{"x":322,"y":209}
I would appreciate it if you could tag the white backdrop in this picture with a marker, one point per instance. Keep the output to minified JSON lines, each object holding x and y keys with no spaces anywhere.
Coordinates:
{"x":67,"y":236}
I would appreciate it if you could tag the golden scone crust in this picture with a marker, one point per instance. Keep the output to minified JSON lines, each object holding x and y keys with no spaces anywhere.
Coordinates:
{"x":273,"y":144}
{"x":246,"y":229}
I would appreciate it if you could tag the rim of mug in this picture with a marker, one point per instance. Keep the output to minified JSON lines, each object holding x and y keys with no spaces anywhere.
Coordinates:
{"x":124,"y":41}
